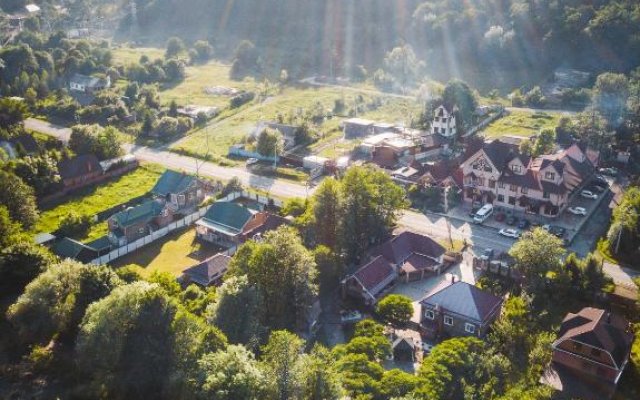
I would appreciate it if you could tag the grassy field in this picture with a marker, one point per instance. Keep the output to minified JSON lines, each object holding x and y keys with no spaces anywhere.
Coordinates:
{"x":173,"y":253}
{"x":521,"y":123}
{"x":94,"y":199}
{"x":130,"y":55}
{"x":233,"y":129}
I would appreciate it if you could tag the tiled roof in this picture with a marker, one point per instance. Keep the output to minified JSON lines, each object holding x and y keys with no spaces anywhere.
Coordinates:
{"x":400,"y":247}
{"x":418,"y":262}
{"x":208,"y":270}
{"x":145,"y":211}
{"x":464,"y":299}
{"x":172,"y":182}
{"x":375,"y":275}
{"x":231,"y":215}
{"x":78,"y":166}
{"x":500,"y":153}
{"x":69,"y":248}
{"x":600,"y":329}
{"x":271,"y":222}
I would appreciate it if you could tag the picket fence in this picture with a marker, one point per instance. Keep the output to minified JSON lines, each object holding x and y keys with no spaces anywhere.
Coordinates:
{"x":188,"y":220}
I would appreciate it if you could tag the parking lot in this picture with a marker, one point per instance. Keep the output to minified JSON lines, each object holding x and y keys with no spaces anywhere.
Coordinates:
{"x":566,"y":225}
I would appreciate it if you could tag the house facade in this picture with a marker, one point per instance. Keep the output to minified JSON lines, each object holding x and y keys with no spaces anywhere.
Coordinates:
{"x":89,"y":84}
{"x":499,"y":174}
{"x":444,"y":122}
{"x":230,"y":224}
{"x":594,"y":345}
{"x":458,"y":309}
{"x":182,"y":192}
{"x":134,"y":223}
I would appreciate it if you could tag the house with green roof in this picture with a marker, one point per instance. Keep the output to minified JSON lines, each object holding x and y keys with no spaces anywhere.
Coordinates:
{"x":182,"y":192}
{"x":136,"y":222}
{"x":229,"y":224}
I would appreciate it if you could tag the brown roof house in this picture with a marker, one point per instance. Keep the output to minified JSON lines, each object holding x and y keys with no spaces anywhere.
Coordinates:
{"x":590,"y":354}
{"x":79,"y":171}
{"x":407,"y":256}
{"x":499,"y":174}
{"x":458,"y":309}
{"x":208,"y":272}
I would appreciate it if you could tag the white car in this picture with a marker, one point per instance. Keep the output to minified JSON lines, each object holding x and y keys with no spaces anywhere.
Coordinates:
{"x":587,"y":194}
{"x":252,"y":161}
{"x":577,"y":210}
{"x":512,"y":233}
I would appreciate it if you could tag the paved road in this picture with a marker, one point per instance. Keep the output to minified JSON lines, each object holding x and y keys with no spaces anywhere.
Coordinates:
{"x":48,"y":128}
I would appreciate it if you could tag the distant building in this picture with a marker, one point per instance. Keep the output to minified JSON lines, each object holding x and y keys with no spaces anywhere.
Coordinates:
{"x":458,"y":309}
{"x":79,"y":170}
{"x":207,"y":273}
{"x":288,"y":132}
{"x":444,"y":122}
{"x":590,"y":354}
{"x":89,"y":84}
{"x":358,"y":127}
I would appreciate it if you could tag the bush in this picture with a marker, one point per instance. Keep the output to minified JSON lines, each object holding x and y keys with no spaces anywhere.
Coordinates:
{"x":73,"y":224}
{"x":395,"y":309}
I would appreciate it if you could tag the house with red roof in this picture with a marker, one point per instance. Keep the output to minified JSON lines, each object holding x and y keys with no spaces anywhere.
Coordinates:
{"x":590,"y":354}
{"x":405,"y":257}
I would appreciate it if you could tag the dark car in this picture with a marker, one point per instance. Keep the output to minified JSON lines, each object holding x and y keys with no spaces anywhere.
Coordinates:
{"x":523,"y":224}
{"x":511,"y":220}
{"x":557,"y":231}
{"x":596,"y":188}
{"x":473,"y":212}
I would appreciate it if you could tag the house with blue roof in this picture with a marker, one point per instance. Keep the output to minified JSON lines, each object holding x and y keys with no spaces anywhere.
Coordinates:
{"x":458,"y":309}
{"x":182,"y":192}
{"x":136,"y":222}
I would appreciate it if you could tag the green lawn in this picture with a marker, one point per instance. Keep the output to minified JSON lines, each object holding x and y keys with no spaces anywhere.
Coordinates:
{"x":94,"y":199}
{"x":173,"y":253}
{"x":521,"y":123}
{"x":130,"y":55}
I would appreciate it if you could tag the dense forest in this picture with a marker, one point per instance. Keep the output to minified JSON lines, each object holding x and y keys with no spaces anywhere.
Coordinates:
{"x":452,"y":37}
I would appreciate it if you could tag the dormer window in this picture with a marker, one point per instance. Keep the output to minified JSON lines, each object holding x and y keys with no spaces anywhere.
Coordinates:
{"x":516,"y":168}
{"x":550,"y":176}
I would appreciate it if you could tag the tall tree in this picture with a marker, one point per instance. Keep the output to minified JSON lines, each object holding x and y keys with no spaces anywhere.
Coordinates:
{"x":458,"y":94}
{"x":610,"y":95}
{"x":371,"y":202}
{"x":175,"y":46}
{"x":536,"y":254}
{"x":270,"y":142}
{"x":55,"y":302}
{"x":319,"y":377}
{"x":403,"y":65}
{"x":327,"y":209}
{"x":395,"y":309}
{"x":282,"y":366}
{"x":285,"y":274}
{"x":18,"y":198}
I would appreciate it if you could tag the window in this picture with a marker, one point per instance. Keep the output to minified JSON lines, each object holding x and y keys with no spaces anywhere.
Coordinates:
{"x":470,"y":328}
{"x":595,"y":352}
{"x":141,"y":230}
{"x":513,"y":188}
{"x":546,"y":195}
{"x":516,"y":168}
{"x":492,"y":184}
{"x":550,"y":176}
{"x":448,"y":320}
{"x":488,"y":168}
{"x":512,"y":200}
{"x":429,"y":314}
{"x":475,"y":166}
{"x":501,"y":185}
{"x":480,"y":181}
{"x":524,"y":190}
{"x":501,"y":198}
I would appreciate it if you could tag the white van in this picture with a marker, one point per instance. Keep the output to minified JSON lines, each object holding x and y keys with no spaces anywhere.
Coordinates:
{"x":483,"y":213}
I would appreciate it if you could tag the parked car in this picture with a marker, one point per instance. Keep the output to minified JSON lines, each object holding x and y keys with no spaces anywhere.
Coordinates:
{"x":473,"y":211}
{"x":523,"y":224}
{"x":596,"y":188}
{"x":511,"y":220}
{"x":556,"y":230}
{"x":577,"y":210}
{"x":252,"y":161}
{"x":350,"y":317}
{"x":512,"y":233}
{"x":611,"y":171}
{"x":587,"y":194}
{"x":487,"y":254}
